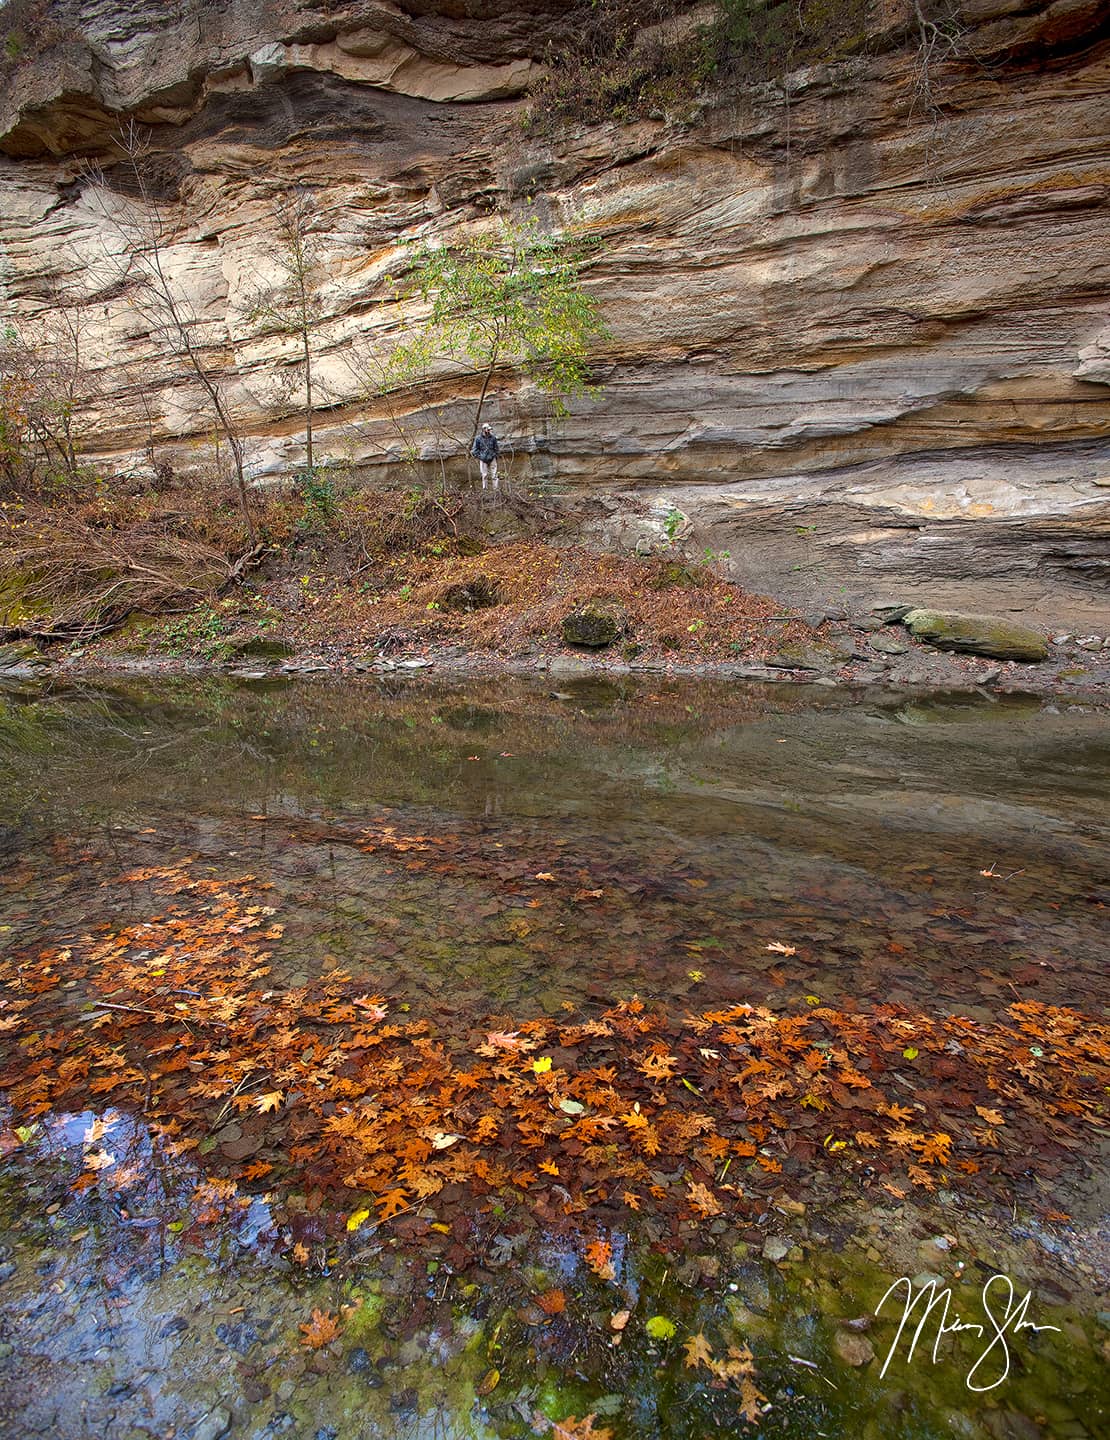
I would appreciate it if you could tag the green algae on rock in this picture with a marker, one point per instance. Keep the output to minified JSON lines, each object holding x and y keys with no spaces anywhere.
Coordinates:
{"x":977,"y":635}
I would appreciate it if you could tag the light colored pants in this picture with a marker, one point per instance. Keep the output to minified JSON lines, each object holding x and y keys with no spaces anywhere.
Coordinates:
{"x":489,"y":472}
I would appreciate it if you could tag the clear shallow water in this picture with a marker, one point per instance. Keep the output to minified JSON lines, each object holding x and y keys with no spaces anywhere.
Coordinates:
{"x":716,"y":822}
{"x":404,"y":833}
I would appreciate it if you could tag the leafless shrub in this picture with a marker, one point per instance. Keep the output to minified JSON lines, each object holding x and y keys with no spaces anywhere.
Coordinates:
{"x":80,"y":579}
{"x":141,"y":265}
{"x":45,"y":388}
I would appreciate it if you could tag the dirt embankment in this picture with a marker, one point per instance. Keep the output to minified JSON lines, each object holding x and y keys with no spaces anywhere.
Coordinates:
{"x":382,"y":581}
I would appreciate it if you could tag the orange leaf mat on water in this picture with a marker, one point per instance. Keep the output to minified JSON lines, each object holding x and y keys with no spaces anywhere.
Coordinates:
{"x":733,"y":1102}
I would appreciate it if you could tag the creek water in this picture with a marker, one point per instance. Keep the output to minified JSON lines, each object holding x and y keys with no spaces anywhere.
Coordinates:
{"x":484,"y":852}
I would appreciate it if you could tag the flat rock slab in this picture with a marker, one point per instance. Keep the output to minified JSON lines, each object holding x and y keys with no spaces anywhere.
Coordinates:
{"x":19,"y":655}
{"x":261,"y":647}
{"x":803,"y":656}
{"x":977,"y":635}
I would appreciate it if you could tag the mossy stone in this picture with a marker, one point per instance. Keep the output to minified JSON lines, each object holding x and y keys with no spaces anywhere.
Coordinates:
{"x":480,"y":593}
{"x":977,"y":635}
{"x":798,"y":655}
{"x":595,"y":624}
{"x":20,"y":653}
{"x":673,"y":576}
{"x":260,"y":647}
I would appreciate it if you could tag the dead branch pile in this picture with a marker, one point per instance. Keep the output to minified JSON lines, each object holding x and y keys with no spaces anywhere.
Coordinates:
{"x":73,"y":580}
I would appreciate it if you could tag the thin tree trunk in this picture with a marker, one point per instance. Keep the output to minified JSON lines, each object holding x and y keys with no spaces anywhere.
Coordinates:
{"x":307,"y":394}
{"x":149,"y":249}
{"x":224,"y":422}
{"x":482,"y":399}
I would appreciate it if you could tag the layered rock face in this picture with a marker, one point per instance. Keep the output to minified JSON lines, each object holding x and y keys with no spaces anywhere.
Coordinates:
{"x":860,"y":317}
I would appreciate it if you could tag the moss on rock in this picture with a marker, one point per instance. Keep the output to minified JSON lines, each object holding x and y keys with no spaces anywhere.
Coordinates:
{"x":260,"y":647}
{"x":595,"y":624}
{"x":977,"y":635}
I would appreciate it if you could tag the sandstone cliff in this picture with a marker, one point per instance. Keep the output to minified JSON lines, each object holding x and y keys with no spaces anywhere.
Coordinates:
{"x":861,"y":324}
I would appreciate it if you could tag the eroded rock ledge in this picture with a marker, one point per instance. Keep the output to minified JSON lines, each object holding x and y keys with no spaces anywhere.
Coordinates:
{"x":860,"y":340}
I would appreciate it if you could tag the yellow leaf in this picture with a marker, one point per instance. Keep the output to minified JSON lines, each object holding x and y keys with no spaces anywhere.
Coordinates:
{"x":542,"y":1065}
{"x":357,"y":1218}
{"x":749,"y":1400}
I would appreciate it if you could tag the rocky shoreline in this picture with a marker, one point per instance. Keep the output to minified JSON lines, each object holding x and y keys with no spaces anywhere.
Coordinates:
{"x":1069,"y":672}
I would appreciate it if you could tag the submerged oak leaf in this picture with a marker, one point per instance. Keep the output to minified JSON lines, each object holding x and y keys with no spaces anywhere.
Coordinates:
{"x":320,"y":1330}
{"x":937,"y":1149}
{"x":702,"y":1200}
{"x":499,"y":1042}
{"x":658,"y":1066}
{"x":750,"y":1398}
{"x":599,"y":1257}
{"x":574,"y":1429}
{"x":698,"y":1351}
{"x":392,"y":1203}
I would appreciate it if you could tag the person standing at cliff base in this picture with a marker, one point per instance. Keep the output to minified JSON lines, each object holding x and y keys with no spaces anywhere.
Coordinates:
{"x":486,"y":450}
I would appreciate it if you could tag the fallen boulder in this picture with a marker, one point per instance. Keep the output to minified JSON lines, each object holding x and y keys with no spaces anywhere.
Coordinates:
{"x":595,"y":624}
{"x":977,"y":635}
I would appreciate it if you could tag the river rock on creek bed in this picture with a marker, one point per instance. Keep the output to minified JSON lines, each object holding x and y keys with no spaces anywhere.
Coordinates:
{"x":977,"y":635}
{"x":260,"y":647}
{"x":595,"y":624}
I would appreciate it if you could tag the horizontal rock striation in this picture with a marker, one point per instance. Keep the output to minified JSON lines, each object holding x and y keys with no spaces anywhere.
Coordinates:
{"x":860,"y":319}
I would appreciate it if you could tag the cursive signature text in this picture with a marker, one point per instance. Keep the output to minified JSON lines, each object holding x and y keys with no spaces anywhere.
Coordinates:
{"x":1004,"y":1315}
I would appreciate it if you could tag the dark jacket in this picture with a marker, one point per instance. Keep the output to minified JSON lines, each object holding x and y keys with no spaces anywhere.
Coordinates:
{"x":485,"y":447}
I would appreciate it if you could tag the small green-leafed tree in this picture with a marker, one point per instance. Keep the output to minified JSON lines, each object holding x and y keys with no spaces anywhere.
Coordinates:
{"x":290,"y":305}
{"x":509,"y":299}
